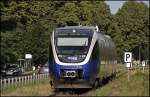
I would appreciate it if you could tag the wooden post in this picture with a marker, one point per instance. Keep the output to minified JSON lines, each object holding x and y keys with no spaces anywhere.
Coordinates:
{"x":4,"y":83}
{"x":12,"y":82}
{"x":8,"y":81}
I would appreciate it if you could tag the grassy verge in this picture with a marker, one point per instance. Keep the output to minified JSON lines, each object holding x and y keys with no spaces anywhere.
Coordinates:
{"x":38,"y":89}
{"x":137,"y":86}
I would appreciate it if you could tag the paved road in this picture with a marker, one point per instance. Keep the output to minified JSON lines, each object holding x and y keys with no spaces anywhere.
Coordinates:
{"x":11,"y":76}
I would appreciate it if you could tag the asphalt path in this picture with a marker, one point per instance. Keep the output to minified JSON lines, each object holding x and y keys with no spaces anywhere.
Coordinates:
{"x":11,"y":76}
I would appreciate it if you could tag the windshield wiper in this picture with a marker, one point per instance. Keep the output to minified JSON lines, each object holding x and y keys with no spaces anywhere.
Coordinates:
{"x":84,"y":43}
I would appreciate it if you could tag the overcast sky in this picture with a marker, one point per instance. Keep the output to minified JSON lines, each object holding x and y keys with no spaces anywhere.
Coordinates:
{"x":115,"y":5}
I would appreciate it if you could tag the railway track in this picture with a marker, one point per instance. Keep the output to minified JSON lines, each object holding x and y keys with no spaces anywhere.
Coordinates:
{"x":81,"y":92}
{"x":69,"y":92}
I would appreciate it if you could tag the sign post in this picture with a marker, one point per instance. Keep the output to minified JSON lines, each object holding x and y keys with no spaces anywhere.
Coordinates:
{"x":21,"y":64}
{"x":128,"y":61}
{"x":28,"y":56}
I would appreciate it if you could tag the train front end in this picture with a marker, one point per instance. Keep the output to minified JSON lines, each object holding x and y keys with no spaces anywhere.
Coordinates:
{"x":72,"y":65}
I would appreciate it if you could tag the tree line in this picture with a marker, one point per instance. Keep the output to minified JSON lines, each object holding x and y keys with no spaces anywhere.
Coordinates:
{"x":26,"y":26}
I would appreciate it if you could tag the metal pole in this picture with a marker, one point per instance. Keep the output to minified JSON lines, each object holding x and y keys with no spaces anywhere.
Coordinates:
{"x":30,"y":63}
{"x":26,"y":63}
{"x":139,"y":59}
{"x":140,"y":53}
{"x":20,"y":63}
{"x":128,"y":75}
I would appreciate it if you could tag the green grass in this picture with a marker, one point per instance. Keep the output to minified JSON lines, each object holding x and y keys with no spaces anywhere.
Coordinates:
{"x":137,"y":86}
{"x":36,"y":89}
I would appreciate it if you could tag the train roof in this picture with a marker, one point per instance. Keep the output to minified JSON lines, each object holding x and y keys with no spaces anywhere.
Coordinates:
{"x":78,"y":27}
{"x":103,"y":36}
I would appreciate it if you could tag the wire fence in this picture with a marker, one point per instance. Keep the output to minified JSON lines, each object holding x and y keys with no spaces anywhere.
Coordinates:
{"x":22,"y":80}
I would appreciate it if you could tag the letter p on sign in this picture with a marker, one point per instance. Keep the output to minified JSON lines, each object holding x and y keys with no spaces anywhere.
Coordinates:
{"x":127,"y":57}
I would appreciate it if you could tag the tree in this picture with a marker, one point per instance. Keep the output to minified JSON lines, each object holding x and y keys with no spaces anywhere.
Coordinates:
{"x":25,"y":24}
{"x":133,"y":21}
{"x":67,"y":15}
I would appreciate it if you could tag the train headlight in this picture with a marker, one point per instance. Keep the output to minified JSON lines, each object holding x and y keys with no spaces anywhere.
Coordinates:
{"x":83,"y":56}
{"x":3,"y":71}
{"x":60,"y":56}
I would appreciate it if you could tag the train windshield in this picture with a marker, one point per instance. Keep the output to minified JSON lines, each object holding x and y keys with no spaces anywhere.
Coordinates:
{"x":73,"y":46}
{"x":73,"y":41}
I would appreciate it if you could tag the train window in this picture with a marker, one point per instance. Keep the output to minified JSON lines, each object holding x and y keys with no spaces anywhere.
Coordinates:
{"x":103,"y":43}
{"x":106,"y":43}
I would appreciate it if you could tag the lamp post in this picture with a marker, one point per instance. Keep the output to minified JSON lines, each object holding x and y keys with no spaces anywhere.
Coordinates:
{"x":21,"y":62}
{"x":140,"y":53}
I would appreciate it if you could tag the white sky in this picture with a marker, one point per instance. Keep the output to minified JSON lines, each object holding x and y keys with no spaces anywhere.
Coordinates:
{"x":115,"y":5}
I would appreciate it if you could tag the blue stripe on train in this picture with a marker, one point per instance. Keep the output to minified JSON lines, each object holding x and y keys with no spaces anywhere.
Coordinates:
{"x":89,"y":69}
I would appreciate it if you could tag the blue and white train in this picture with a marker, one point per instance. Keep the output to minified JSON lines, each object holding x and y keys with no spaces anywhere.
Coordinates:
{"x":80,"y":57}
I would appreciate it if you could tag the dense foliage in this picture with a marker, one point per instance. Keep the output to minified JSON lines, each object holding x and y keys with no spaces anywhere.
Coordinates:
{"x":26,"y":26}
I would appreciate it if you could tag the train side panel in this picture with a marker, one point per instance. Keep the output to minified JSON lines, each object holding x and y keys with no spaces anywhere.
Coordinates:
{"x":107,"y":57}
